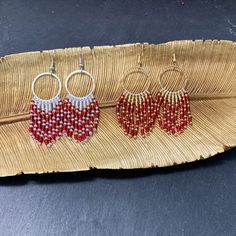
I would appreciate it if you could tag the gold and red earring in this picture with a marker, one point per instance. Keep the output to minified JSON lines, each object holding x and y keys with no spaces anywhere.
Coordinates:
{"x":135,"y":111}
{"x":173,"y":107}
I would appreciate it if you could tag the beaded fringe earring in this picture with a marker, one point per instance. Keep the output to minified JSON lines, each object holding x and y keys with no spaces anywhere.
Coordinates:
{"x":45,"y":115}
{"x":173,"y":107}
{"x":135,"y":111}
{"x":81,"y":114}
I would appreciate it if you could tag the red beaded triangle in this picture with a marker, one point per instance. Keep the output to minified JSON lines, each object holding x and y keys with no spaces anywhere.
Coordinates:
{"x":81,"y":117}
{"x":45,"y":120}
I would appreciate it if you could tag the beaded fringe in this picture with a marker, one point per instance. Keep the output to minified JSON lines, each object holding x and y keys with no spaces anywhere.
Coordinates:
{"x":136,"y":113}
{"x":81,"y":117}
{"x":174,"y":113}
{"x":46,"y":122}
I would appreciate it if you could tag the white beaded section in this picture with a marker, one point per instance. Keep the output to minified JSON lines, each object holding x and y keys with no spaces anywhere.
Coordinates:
{"x":46,"y":105}
{"x":80,"y":102}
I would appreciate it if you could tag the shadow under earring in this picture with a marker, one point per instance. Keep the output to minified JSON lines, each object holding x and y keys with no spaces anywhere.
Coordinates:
{"x":81,"y":114}
{"x":135,"y":111}
{"x":173,"y":107}
{"x":45,"y":115}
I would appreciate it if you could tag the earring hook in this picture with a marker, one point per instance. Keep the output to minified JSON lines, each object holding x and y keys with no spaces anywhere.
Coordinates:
{"x":81,"y":60}
{"x":139,"y":57}
{"x":139,"y":61}
{"x":174,"y":59}
{"x":52,"y":65}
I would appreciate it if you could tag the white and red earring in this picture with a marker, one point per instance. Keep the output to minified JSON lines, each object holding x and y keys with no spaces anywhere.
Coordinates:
{"x":81,"y":114}
{"x":76,"y":117}
{"x":46,"y":124}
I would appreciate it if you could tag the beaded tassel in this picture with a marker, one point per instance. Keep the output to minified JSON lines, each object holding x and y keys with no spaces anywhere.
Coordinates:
{"x":174,"y":113}
{"x":81,"y":117}
{"x":46,"y":122}
{"x":136,"y":113}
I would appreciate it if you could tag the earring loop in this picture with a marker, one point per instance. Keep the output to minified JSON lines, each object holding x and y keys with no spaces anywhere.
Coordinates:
{"x":46,"y":115}
{"x":42,"y":75}
{"x":172,"y":68}
{"x":135,"y":111}
{"x":173,"y":106}
{"x":80,"y":71}
{"x":133,"y":71}
{"x":82,"y":113}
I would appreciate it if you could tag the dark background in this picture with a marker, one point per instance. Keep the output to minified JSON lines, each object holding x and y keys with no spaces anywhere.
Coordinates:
{"x":191,"y":199}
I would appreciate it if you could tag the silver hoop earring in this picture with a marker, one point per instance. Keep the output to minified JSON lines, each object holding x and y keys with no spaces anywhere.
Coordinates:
{"x":81,"y":114}
{"x":45,"y":114}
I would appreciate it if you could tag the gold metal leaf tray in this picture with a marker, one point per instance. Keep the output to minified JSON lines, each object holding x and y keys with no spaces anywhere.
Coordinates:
{"x":211,"y":71}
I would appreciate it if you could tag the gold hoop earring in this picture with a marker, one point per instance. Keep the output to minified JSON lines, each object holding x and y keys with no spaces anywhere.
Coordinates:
{"x":173,"y":107}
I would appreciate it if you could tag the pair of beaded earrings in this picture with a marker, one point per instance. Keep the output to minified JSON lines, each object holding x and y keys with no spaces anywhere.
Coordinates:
{"x":78,"y":117}
{"x":75,"y":117}
{"x":137,"y":112}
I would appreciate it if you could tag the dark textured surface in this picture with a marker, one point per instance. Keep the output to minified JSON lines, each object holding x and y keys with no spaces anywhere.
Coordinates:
{"x":192,"y":199}
{"x":37,"y":25}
